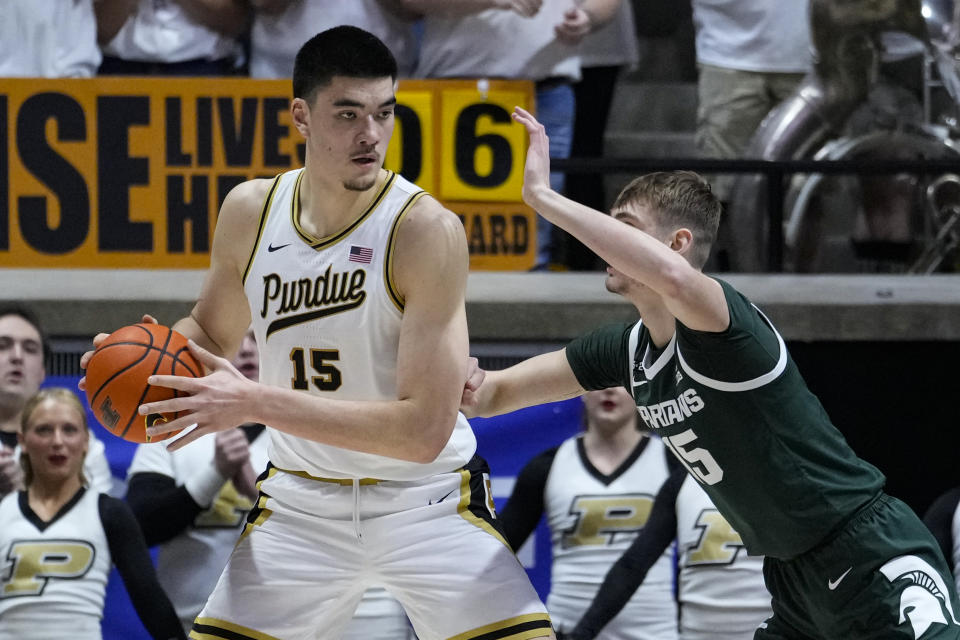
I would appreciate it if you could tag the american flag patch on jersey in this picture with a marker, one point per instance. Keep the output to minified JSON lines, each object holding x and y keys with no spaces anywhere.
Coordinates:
{"x":363,"y":255}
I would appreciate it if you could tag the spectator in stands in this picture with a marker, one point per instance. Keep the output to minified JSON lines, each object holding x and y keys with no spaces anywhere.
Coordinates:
{"x":171,"y":37}
{"x":604,"y":55}
{"x":48,"y":38}
{"x":465,"y":39}
{"x":23,"y":352}
{"x":751,"y":55}
{"x":280,"y":27}
{"x":596,"y":490}
{"x":60,"y":539}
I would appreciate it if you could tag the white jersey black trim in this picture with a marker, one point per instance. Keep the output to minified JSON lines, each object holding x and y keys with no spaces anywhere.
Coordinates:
{"x":323,"y":243}
{"x":388,"y":279}
{"x":267,"y":202}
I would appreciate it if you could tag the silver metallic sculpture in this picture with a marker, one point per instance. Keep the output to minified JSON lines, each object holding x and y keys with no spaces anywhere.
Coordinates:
{"x":824,"y":216}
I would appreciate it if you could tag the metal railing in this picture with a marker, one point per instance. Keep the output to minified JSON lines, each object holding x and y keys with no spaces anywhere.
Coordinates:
{"x":775,"y":171}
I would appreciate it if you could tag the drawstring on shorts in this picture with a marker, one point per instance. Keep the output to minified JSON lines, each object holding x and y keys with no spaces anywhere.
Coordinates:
{"x":356,"y":508}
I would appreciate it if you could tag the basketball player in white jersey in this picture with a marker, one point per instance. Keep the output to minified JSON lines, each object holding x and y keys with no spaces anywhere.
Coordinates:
{"x":721,"y":590}
{"x":597,"y":490}
{"x":193,"y":502}
{"x":354,"y":282}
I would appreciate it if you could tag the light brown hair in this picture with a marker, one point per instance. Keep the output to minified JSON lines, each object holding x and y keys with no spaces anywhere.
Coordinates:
{"x":678,"y":199}
{"x":56,"y":394}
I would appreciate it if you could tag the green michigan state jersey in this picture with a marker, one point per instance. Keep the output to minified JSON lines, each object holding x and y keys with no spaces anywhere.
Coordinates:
{"x":734,"y":409}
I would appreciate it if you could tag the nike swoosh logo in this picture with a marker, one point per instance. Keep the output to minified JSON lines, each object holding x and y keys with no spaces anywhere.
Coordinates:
{"x":443,"y":498}
{"x":272,"y":248}
{"x":833,"y":584}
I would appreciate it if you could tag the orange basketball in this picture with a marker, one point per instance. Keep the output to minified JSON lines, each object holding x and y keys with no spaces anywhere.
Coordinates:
{"x":117,"y":377}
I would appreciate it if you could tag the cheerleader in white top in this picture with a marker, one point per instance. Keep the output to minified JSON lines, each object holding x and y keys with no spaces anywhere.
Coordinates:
{"x":721,"y":590}
{"x":596,"y":490}
{"x":59,"y":538}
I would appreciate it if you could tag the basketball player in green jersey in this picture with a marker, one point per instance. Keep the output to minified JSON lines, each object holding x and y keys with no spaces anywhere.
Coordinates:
{"x":712,"y":377}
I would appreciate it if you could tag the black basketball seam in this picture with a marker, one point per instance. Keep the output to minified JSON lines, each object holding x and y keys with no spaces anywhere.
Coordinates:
{"x":177,"y":359}
{"x":149,"y":347}
{"x":120,"y":344}
{"x":173,"y":371}
{"x":146,"y":389}
{"x":175,"y":355}
{"x":186,"y":365}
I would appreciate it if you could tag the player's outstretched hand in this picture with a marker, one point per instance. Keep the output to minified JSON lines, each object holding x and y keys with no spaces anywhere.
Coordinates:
{"x":216,"y":402}
{"x":536,"y":173}
{"x":469,"y":399}
{"x":100,"y":337}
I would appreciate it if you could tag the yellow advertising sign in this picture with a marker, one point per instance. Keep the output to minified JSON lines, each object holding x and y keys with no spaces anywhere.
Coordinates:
{"x":481,"y":157}
{"x":412,"y":150}
{"x":130,"y":172}
{"x":500,"y":235}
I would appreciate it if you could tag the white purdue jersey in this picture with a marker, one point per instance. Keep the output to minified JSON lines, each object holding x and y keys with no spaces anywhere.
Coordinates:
{"x":327,"y":315}
{"x":593,"y":518}
{"x":52,"y":577}
{"x":722,"y":594}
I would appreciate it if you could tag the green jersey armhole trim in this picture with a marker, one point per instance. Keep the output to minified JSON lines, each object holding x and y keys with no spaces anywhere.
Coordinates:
{"x":392,"y":292}
{"x":267,"y":202}
{"x":746,"y":385}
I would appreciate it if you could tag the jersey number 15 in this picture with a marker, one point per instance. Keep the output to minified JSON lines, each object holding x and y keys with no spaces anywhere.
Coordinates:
{"x":328,"y":376}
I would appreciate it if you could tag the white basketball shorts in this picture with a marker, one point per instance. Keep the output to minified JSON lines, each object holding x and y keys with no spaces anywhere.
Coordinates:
{"x":312,"y":546}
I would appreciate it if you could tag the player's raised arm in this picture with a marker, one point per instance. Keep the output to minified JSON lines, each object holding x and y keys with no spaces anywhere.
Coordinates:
{"x":656,"y":257}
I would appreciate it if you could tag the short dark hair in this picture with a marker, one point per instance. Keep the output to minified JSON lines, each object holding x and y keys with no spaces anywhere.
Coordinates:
{"x":340,"y":51}
{"x":678,"y":199}
{"x":31,"y":318}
